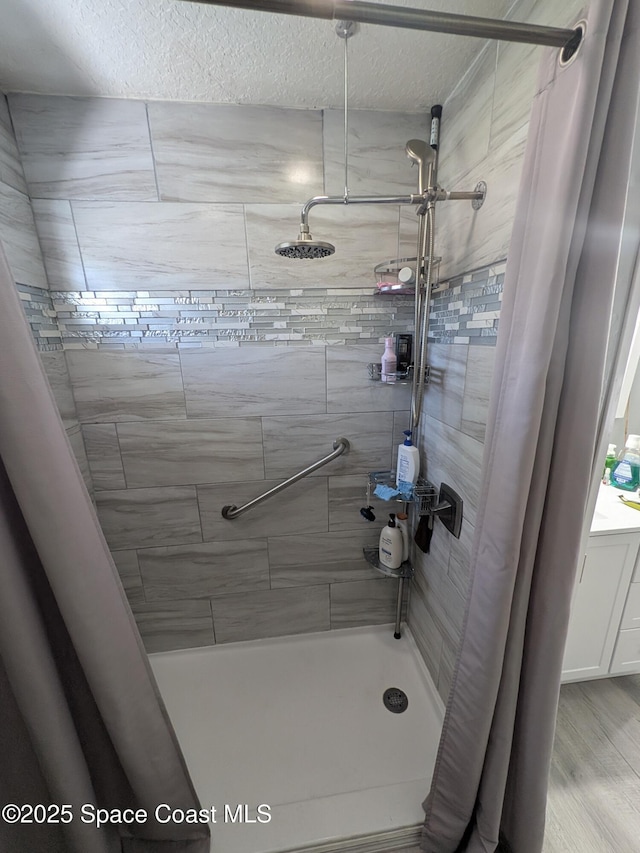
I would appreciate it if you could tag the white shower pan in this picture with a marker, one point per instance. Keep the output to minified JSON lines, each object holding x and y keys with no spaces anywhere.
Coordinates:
{"x":297,"y":724}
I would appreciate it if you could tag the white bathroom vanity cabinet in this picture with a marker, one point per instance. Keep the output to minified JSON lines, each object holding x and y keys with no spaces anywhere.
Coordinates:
{"x":604,"y":626}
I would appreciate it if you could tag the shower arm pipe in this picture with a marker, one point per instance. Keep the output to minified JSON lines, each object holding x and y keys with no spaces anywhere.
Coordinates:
{"x":352,"y":199}
{"x":340,"y":446}
{"x":430,"y":195}
{"x":387,"y":15}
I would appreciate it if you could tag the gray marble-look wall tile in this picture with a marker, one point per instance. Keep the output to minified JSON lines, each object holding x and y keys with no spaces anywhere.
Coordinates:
{"x":425,"y":632}
{"x":74,"y":434}
{"x":209,"y":152}
{"x":443,"y":396}
{"x":543,"y":12}
{"x":272,"y":613}
{"x":161,"y":246}
{"x":444,"y":603}
{"x":10,"y":166}
{"x":87,"y":148}
{"x":477,"y":389}
{"x":346,"y":495}
{"x":517,"y":68}
{"x":254,"y":381}
{"x":200,"y":571}
{"x":19,"y":238}
{"x":363,"y":602}
{"x":378,"y":164}
{"x":349,"y":388}
{"x":517,"y":73}
{"x":144,"y":518}
{"x":300,"y":508}
{"x":364,"y":235}
{"x":468,"y":238}
{"x":59,"y":243}
{"x":291,"y":443}
{"x":126,"y":386}
{"x":454,"y":458}
{"x":174,"y":625}
{"x":466,"y":119}
{"x":55,"y":366}
{"x":319,"y":558}
{"x":103,"y":453}
{"x":173,"y":453}
{"x":436,"y":560}
{"x":129,"y":571}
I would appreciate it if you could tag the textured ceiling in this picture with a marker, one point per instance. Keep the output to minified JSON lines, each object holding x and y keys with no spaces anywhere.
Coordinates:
{"x":174,"y":50}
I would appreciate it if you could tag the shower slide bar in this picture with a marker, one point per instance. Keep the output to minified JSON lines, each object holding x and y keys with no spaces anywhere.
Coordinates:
{"x":340,"y":446}
{"x":415,"y":19}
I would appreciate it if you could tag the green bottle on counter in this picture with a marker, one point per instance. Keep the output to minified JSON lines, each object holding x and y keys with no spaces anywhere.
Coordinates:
{"x":609,"y":462}
{"x":625,"y":473}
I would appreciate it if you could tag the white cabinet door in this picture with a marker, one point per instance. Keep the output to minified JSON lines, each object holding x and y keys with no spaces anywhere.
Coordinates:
{"x":626,"y":658}
{"x":631,"y":613}
{"x":598,"y":600}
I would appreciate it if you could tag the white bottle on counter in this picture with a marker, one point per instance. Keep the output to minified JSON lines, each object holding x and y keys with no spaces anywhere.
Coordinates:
{"x":390,"y":550}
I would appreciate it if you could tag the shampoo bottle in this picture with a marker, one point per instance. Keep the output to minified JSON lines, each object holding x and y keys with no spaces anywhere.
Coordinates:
{"x":390,"y":551}
{"x":408,"y":466}
{"x":389,"y":364}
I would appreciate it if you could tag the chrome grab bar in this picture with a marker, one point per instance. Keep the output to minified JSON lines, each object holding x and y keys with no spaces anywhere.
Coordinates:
{"x":340,"y":446}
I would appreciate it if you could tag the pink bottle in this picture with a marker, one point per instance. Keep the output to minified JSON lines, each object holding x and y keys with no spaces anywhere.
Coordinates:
{"x":389,"y":362}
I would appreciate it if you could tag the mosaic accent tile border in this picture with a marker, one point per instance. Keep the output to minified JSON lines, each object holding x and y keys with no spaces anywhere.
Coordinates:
{"x":466,"y":309}
{"x":41,"y":314}
{"x":212,"y":318}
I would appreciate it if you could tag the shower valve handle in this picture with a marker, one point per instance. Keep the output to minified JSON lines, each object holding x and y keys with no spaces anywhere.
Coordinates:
{"x":441,"y":506}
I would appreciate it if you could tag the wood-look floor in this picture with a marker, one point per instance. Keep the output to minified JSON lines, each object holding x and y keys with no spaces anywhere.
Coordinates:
{"x":594,"y":790}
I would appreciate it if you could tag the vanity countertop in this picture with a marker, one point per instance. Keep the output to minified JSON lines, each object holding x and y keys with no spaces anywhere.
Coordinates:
{"x":611,"y":515}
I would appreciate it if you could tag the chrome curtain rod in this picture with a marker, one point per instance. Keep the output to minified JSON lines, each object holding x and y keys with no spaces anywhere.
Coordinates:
{"x":414,"y":19}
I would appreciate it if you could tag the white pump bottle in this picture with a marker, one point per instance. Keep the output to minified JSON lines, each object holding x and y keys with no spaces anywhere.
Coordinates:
{"x":408,"y":466}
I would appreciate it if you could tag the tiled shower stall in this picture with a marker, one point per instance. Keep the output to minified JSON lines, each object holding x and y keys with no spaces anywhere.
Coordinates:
{"x":193,"y":367}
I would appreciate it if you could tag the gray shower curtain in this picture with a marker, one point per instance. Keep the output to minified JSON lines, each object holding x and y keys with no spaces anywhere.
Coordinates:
{"x":571,"y":270}
{"x":81,"y":720}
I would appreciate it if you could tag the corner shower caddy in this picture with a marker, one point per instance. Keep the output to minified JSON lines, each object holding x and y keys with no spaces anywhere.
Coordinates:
{"x":424,"y":498}
{"x":427,"y":500}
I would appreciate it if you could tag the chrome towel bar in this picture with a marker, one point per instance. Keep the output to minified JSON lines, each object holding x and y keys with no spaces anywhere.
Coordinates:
{"x":340,"y":446}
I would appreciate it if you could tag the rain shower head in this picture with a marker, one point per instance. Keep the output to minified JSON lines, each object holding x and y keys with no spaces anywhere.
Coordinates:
{"x":305,"y":247}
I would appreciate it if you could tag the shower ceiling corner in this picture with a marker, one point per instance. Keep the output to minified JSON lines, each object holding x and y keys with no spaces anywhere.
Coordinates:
{"x":104,"y":48}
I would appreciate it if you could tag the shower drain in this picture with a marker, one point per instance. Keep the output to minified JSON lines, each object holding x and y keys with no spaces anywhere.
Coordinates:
{"x":395,"y":700}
